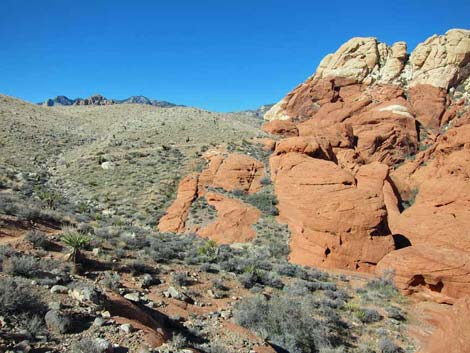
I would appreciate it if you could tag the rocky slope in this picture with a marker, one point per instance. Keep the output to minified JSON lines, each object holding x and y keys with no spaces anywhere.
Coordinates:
{"x":106,"y":175}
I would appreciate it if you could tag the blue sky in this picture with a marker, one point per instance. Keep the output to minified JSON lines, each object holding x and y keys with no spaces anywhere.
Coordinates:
{"x":220,"y":55}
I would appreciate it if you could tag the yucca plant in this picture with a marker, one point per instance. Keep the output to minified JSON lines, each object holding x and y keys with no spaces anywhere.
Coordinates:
{"x":76,"y":241}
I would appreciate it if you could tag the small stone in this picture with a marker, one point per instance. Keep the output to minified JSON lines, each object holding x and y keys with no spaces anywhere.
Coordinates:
{"x":96,"y":251}
{"x":85,"y":294}
{"x":59,"y":289}
{"x":54,"y":305}
{"x":103,"y":345}
{"x":148,"y":280}
{"x":226,"y":314}
{"x":106,"y":314}
{"x":99,"y":321}
{"x":126,"y":328}
{"x":172,"y":292}
{"x":215,"y":295}
{"x":133,"y":297}
{"x":108,"y":165}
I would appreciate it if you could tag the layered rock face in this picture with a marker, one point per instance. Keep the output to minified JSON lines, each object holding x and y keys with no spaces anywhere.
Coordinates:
{"x":373,"y":169}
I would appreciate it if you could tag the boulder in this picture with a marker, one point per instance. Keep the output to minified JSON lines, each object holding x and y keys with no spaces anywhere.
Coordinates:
{"x":234,"y":220}
{"x":436,"y":273}
{"x":428,"y":104}
{"x":280,"y":127}
{"x":335,"y":220}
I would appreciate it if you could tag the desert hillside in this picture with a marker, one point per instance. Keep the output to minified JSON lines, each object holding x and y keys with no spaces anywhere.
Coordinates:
{"x":339,"y":225}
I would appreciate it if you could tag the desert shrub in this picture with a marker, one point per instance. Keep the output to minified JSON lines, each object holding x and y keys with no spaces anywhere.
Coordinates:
{"x":23,"y":266}
{"x":383,"y":286}
{"x":29,"y":266}
{"x":38,"y":239}
{"x":238,"y":193}
{"x":208,"y":250}
{"x":207,"y":267}
{"x":264,"y":201}
{"x":135,"y":242}
{"x":368,"y":316}
{"x":387,"y":346}
{"x":87,"y":346}
{"x":34,"y":324}
{"x":297,"y":288}
{"x":265,"y":181}
{"x":181,"y":279}
{"x":111,"y":280}
{"x":287,"y":269}
{"x":395,"y":313}
{"x":219,"y":284}
{"x":17,"y":297}
{"x":165,"y":247}
{"x":270,"y":279}
{"x":120,"y":253}
{"x":248,"y":279}
{"x":270,"y":318}
{"x":138,"y":267}
{"x":411,"y":199}
{"x":178,"y":341}
{"x":6,"y":251}
{"x":311,"y":274}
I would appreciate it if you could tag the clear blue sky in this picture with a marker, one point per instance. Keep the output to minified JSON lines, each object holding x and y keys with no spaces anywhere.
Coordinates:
{"x":220,"y":55}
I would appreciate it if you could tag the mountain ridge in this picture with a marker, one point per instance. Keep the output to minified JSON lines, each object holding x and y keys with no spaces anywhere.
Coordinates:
{"x":98,"y":99}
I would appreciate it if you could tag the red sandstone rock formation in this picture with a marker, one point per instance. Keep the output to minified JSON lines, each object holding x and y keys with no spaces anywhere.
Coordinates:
{"x":174,"y":219}
{"x":234,"y":220}
{"x":453,"y":330}
{"x":234,"y":172}
{"x":281,"y":127}
{"x":371,"y":103}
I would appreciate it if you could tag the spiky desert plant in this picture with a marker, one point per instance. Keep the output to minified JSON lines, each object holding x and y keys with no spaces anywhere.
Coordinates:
{"x":76,"y":242}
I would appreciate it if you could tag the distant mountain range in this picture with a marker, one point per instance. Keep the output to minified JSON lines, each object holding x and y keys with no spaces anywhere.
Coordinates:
{"x":257,"y":113}
{"x":101,"y":100}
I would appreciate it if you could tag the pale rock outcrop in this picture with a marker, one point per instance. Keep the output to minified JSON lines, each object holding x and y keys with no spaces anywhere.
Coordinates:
{"x":442,"y":61}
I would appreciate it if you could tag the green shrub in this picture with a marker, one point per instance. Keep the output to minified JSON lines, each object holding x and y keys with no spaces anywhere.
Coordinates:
{"x":368,"y":316}
{"x":76,"y":241}
{"x":264,"y":201}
